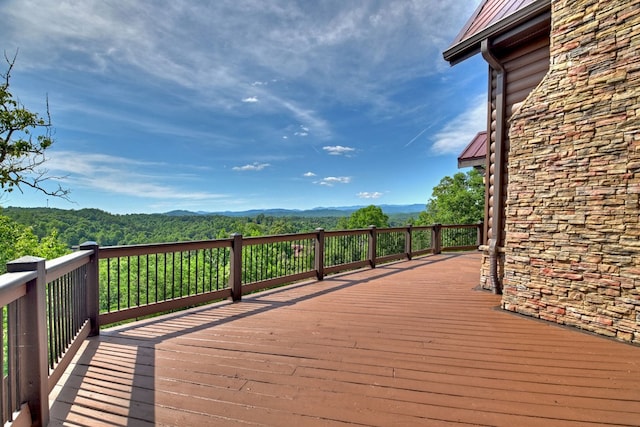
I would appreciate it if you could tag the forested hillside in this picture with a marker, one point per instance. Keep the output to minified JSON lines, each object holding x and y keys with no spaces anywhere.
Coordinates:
{"x":78,"y":226}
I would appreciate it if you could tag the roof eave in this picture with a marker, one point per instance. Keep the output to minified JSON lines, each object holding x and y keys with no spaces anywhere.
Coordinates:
{"x":471,"y":45}
{"x":473,"y":162}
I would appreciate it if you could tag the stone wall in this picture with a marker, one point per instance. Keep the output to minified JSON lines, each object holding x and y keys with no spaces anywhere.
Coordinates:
{"x":573,"y":229}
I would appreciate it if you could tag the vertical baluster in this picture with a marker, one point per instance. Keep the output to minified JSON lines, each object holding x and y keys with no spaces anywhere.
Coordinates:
{"x":198,"y":254}
{"x":138,"y":280}
{"x":155,"y":280}
{"x":12,"y":369}
{"x":275,"y":257}
{"x":211,"y":270}
{"x":108,"y":261}
{"x":77,"y":286}
{"x":251,"y":268}
{"x":13,"y":361}
{"x":250,"y":272}
{"x":272,"y":255}
{"x":188,"y":273}
{"x":165,"y":278}
{"x":218,"y":267}
{"x":246,"y":262}
{"x":264,"y":262}
{"x":74,"y":303}
{"x":128,"y":282}
{"x":173,"y":274}
{"x":180,"y":281}
{"x":227,"y":261}
{"x":118,"y":282}
{"x":196,"y":273}
{"x":51,"y":324}
{"x":62,"y":301}
{"x":62,"y":326}
{"x":5,"y":344}
{"x":56,"y":319}
{"x":66,"y":324}
{"x":69,"y":311}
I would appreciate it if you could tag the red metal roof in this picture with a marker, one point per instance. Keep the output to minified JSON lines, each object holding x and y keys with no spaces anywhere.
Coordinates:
{"x":491,"y":18}
{"x":488,"y":13}
{"x":475,"y":153}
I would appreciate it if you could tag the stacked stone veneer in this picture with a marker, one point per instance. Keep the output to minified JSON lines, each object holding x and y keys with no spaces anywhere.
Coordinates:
{"x":572,"y":250}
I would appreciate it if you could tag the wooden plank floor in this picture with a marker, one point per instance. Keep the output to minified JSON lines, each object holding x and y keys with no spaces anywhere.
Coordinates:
{"x":407,"y":344}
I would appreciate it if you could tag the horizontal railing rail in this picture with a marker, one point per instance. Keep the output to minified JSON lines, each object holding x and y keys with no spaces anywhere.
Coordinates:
{"x":49,"y":308}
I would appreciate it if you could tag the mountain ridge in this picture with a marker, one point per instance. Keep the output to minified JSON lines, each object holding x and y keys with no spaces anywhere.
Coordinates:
{"x":317,"y":211}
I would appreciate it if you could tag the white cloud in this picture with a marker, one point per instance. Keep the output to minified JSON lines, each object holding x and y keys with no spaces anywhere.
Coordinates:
{"x":337,"y":150}
{"x":349,"y":52}
{"x":251,"y":99}
{"x":120,"y":176}
{"x":304,"y":131}
{"x":368,"y":195}
{"x":309,"y":174}
{"x":331,"y":180}
{"x":252,"y":167}
{"x":459,"y":132}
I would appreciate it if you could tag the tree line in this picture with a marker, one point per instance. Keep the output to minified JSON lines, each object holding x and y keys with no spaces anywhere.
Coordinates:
{"x":49,"y":232}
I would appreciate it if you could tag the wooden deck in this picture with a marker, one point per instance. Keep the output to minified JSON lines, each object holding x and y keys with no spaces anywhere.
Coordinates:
{"x":407,"y":344}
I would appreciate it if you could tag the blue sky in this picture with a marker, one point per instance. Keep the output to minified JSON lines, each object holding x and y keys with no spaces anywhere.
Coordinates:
{"x":234,"y":105}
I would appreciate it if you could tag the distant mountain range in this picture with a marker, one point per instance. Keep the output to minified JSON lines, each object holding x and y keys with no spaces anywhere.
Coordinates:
{"x":315,"y":212}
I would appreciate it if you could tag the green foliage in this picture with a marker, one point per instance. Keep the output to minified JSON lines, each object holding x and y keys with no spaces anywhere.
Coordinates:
{"x":75,"y":227}
{"x":24,"y":137}
{"x":365,"y":217}
{"x":456,"y":200}
{"x":17,"y":240}
{"x":78,"y":226}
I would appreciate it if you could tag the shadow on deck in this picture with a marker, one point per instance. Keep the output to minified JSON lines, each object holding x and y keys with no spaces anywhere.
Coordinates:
{"x":405,"y":344}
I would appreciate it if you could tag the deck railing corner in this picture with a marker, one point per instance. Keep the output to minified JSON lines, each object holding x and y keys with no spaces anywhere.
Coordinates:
{"x":31,"y":334}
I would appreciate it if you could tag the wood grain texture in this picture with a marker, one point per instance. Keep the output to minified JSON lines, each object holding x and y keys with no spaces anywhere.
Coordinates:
{"x":406,"y":344}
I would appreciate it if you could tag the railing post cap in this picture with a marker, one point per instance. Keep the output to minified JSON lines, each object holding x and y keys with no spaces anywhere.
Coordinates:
{"x":88,"y":244}
{"x":25,"y":263}
{"x":319,"y":229}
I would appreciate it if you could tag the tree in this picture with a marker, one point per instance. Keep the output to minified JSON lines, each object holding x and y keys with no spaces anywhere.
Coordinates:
{"x":364,"y":217}
{"x":17,"y":240}
{"x":456,"y":200}
{"x":24,"y":137}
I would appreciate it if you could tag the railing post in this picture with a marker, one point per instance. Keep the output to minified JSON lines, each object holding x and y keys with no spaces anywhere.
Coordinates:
{"x":408,"y":243}
{"x":373,"y":245}
{"x":436,"y":238}
{"x":32,"y":340}
{"x":235,"y":269}
{"x":93,"y":288}
{"x":480,"y":233}
{"x":319,"y":254}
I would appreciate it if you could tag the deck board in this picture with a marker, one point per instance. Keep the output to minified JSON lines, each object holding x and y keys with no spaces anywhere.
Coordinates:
{"x":406,"y":344}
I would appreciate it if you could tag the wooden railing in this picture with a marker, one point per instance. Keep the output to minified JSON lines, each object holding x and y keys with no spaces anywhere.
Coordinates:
{"x":49,"y":308}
